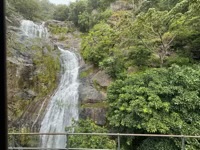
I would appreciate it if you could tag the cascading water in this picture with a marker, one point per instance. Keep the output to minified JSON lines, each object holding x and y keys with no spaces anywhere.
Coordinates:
{"x":33,"y":30}
{"x":63,"y":107}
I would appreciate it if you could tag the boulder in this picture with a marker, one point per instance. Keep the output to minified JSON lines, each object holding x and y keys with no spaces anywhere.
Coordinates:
{"x":102,"y":79}
{"x":88,"y":94}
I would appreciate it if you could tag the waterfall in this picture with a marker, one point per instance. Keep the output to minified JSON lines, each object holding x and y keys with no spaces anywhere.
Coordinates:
{"x":63,"y":106}
{"x":30,"y":29}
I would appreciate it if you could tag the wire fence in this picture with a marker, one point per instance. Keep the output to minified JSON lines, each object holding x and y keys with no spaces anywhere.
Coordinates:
{"x":117,"y":135}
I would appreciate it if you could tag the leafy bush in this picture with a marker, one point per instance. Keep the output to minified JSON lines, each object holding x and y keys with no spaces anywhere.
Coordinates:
{"x":88,"y":141}
{"x":164,"y":101}
{"x":28,"y":8}
{"x":157,"y":144}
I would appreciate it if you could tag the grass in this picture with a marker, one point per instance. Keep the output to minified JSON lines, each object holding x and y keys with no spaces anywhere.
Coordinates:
{"x":95,"y":105}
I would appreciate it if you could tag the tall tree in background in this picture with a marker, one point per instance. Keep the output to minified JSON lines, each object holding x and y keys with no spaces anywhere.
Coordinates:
{"x":28,"y":8}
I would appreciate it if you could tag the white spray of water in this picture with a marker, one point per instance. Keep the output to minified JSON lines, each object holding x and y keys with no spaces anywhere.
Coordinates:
{"x":33,"y":30}
{"x":63,"y":107}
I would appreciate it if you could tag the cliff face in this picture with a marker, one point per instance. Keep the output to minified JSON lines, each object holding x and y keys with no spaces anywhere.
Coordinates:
{"x":93,"y":88}
{"x":32,"y":73}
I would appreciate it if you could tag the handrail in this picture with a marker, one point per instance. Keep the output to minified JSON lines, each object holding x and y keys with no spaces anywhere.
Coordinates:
{"x":118,"y":135}
{"x":41,"y":148}
{"x":109,"y":134}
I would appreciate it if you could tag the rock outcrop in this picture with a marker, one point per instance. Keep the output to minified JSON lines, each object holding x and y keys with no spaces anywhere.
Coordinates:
{"x":93,"y":85}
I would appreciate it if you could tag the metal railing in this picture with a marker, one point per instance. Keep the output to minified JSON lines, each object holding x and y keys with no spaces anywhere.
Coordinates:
{"x":118,"y":135}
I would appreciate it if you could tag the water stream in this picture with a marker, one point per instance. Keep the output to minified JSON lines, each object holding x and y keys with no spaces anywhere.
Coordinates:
{"x":30,"y":29}
{"x":63,"y":105}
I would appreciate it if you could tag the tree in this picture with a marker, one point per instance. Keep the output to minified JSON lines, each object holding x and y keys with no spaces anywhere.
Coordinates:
{"x":151,"y":29}
{"x":97,"y":44}
{"x":186,"y":27}
{"x":47,"y":10}
{"x":162,"y":101}
{"x":61,"y":13}
{"x":140,"y":55}
{"x":28,"y":8}
{"x":114,"y":65}
{"x":75,"y":9}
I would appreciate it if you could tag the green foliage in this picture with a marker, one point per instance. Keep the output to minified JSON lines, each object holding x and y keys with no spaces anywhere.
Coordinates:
{"x":88,"y":141}
{"x":22,"y":140}
{"x":56,"y":29}
{"x":143,"y":39}
{"x":86,"y":73}
{"x":87,"y":20}
{"x":140,"y":55}
{"x":83,"y":13}
{"x":179,"y":60}
{"x":95,"y":105}
{"x":46,"y":10}
{"x":75,"y":9}
{"x":96,"y":45}
{"x":157,"y":144}
{"x":113,"y":65}
{"x":31,"y":9}
{"x":28,"y":8}
{"x":157,"y":101}
{"x":47,"y":76}
{"x":61,"y":13}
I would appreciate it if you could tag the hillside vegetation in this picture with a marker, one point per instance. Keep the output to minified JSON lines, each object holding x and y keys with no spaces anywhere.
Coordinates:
{"x":151,"y":50}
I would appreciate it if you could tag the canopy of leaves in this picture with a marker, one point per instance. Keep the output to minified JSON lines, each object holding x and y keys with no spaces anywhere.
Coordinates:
{"x":163,"y":101}
{"x":32,"y":9}
{"x":97,"y":45}
{"x":61,"y":13}
{"x":28,"y":8}
{"x":165,"y":33}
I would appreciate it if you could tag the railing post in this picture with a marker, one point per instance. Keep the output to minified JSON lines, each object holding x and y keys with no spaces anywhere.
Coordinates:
{"x":183,"y":143}
{"x":118,"y":141}
{"x":67,"y":137}
{"x":13,"y":141}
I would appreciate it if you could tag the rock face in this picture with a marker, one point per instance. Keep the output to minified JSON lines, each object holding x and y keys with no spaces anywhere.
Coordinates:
{"x":92,"y":94}
{"x":98,"y":115}
{"x":64,"y":34}
{"x":32,"y":67}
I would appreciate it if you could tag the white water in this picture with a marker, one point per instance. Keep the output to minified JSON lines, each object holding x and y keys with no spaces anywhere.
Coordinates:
{"x":33,"y":30}
{"x":63,"y":107}
{"x":67,"y":2}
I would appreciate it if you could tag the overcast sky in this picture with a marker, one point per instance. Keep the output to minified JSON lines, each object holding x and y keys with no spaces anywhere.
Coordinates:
{"x":61,"y":1}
